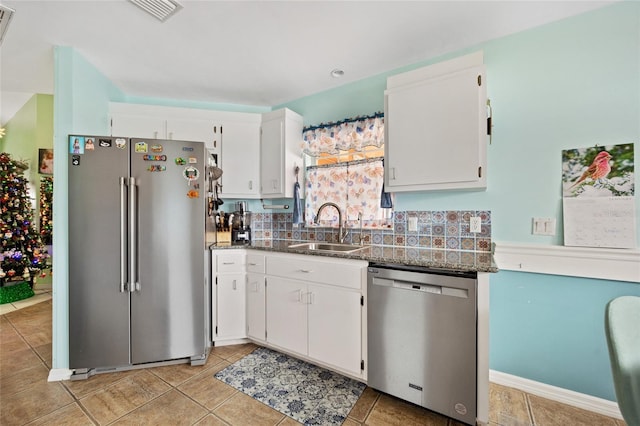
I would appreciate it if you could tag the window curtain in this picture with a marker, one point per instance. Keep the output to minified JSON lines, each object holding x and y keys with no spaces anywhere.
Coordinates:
{"x":350,"y":134}
{"x":355,"y":186}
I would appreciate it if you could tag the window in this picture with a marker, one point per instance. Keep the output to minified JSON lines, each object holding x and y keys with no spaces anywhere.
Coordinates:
{"x":346,"y":168}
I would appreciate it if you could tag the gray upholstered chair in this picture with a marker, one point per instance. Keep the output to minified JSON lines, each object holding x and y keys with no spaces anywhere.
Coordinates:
{"x":622,"y":327}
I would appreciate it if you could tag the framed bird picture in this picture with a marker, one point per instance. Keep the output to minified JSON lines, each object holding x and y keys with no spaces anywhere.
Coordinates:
{"x":600,"y":171}
{"x":598,"y":196}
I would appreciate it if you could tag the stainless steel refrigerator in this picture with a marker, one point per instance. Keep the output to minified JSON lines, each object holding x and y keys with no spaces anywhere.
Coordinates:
{"x":137,"y":282}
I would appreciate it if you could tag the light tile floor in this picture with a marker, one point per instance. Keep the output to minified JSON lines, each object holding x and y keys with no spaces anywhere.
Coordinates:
{"x":185,"y":395}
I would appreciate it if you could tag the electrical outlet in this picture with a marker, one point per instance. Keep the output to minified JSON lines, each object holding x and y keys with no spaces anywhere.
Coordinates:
{"x":412,"y":224}
{"x":475,"y":224}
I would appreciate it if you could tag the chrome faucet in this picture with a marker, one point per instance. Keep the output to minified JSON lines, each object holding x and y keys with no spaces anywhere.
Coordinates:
{"x":317,"y":220}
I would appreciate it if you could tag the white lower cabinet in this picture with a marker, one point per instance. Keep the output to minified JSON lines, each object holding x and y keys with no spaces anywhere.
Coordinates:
{"x":228,"y":313}
{"x":230,"y":289}
{"x":335,"y":327}
{"x":256,"y":307}
{"x":315,"y":312}
{"x":309,"y":306}
{"x":287,"y":314}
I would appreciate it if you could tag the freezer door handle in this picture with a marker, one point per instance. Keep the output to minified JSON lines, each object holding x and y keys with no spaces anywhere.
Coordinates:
{"x":123,"y":235}
{"x":133,"y":237}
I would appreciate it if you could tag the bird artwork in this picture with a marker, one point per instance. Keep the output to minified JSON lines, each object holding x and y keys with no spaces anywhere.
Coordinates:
{"x":598,"y":169}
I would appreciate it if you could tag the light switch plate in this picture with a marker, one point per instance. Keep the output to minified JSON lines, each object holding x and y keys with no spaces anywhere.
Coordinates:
{"x":544,"y":226}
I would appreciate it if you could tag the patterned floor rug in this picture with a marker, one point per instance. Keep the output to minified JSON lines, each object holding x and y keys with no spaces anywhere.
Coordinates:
{"x":309,"y":394}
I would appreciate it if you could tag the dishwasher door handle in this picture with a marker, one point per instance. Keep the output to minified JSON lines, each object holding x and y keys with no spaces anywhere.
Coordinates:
{"x":426,"y":288}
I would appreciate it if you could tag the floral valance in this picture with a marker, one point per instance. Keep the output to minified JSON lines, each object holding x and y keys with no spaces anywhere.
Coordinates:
{"x":353,"y":133}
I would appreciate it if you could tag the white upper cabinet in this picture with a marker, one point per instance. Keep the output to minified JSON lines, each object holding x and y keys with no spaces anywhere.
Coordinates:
{"x":138,"y":126}
{"x":240,"y":159}
{"x":436,"y":127}
{"x":280,"y":153}
{"x":159,"y":122}
{"x":234,"y":136}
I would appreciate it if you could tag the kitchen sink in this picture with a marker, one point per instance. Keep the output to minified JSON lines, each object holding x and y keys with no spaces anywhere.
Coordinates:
{"x":328,"y":247}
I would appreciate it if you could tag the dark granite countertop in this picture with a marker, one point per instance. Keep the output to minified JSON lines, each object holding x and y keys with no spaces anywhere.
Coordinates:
{"x":454,"y":260}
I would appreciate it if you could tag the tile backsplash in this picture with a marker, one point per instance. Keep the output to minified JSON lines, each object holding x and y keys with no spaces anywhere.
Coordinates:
{"x":435,"y":230}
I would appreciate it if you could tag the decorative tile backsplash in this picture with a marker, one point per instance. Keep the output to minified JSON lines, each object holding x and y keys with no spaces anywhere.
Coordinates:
{"x":435,"y":230}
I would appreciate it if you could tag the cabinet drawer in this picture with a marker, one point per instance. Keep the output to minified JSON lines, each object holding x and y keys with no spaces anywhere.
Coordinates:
{"x":230,"y":262}
{"x":321,"y":271}
{"x":255,"y":263}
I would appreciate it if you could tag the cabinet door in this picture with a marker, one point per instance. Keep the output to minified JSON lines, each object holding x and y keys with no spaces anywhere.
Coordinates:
{"x":271,"y":157}
{"x":335,"y":327}
{"x":435,"y":133}
{"x":138,"y":126}
{"x":181,"y":129}
{"x":287,"y":314}
{"x":240,"y":160}
{"x":256,"y":313}
{"x":231,"y":319}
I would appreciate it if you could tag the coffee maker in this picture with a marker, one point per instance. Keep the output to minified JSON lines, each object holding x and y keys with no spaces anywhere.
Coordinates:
{"x":241,"y":224}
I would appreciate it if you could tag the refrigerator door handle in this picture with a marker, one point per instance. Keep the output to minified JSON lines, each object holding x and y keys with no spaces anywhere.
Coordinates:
{"x":123,"y":235}
{"x":133,"y":237}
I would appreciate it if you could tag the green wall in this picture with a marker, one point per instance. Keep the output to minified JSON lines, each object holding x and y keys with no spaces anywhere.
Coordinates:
{"x":30,"y":129}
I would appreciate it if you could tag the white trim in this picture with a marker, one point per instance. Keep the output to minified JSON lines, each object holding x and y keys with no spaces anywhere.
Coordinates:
{"x":59,"y":374}
{"x":564,"y":396}
{"x":599,"y":263}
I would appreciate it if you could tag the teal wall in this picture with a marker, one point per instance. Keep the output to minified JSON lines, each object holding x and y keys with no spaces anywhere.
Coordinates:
{"x":81,"y":101}
{"x":574,"y":83}
{"x":551,"y":329}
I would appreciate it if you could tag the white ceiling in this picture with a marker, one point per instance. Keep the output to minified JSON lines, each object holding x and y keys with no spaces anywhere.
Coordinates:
{"x":260,"y":53}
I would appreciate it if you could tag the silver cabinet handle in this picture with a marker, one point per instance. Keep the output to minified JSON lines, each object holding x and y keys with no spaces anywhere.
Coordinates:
{"x":300,"y":295}
{"x":250,"y":184}
{"x":234,"y":284}
{"x":228,"y":263}
{"x":311,"y":298}
{"x":133,"y":237}
{"x":306,"y":271}
{"x":123,"y":235}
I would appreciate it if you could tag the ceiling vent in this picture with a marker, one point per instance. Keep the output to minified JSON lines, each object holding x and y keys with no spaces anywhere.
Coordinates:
{"x":5,"y":17}
{"x":159,"y":9}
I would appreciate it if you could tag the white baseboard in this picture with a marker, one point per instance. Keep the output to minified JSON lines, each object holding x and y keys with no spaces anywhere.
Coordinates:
{"x":59,"y":374}
{"x":599,"y":263}
{"x":564,"y":396}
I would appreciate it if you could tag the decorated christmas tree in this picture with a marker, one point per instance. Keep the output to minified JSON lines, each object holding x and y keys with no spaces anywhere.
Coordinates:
{"x":46,"y":206}
{"x":22,"y":254}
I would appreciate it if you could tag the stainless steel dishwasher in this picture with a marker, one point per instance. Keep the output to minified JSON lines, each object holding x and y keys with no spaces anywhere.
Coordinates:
{"x":422,"y":337}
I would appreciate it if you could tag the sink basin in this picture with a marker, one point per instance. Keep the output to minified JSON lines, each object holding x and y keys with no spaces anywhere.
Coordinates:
{"x":328,"y":247}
